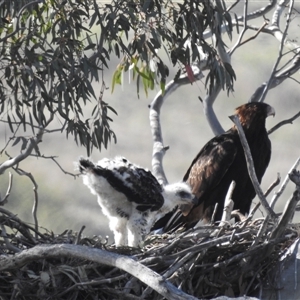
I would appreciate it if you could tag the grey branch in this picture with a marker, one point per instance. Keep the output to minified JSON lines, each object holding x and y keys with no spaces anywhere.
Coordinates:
{"x":31,"y":145}
{"x":4,"y":200}
{"x":290,"y":207}
{"x":36,"y":196}
{"x":209,"y":100}
{"x":284,"y":122}
{"x":284,"y":184}
{"x":251,"y":170}
{"x":228,"y":205}
{"x":158,"y":145}
{"x":209,"y":112}
{"x":267,"y":192}
{"x":129,"y":265}
{"x":277,"y":77}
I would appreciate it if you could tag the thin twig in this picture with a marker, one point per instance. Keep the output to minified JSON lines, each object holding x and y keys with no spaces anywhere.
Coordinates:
{"x":284,"y":184}
{"x":32,"y":143}
{"x":267,"y":192}
{"x":58,"y":164}
{"x":253,"y":37}
{"x":284,"y":122}
{"x":36,"y":196}
{"x":282,"y":44}
{"x":238,"y":43}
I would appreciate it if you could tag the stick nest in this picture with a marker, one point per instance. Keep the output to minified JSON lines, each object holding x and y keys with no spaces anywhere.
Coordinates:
{"x":205,"y":262}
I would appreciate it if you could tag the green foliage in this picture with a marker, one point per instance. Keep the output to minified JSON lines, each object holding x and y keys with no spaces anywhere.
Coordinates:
{"x":50,"y":55}
{"x":45,"y":70}
{"x":158,"y":25}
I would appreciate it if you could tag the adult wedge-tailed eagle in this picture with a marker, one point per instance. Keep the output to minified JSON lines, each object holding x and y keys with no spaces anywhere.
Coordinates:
{"x":221,"y":161}
{"x":131,"y":197}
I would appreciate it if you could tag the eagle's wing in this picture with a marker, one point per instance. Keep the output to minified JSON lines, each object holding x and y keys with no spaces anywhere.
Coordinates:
{"x":137,"y":184}
{"x":211,"y":164}
{"x":205,"y":173}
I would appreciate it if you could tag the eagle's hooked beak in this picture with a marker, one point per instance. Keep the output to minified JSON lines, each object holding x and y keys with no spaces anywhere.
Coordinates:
{"x":271,"y":111}
{"x":186,"y":208}
{"x":195,"y":200}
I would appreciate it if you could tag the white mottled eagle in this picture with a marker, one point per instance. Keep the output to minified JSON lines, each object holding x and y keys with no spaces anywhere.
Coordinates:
{"x":131,"y":197}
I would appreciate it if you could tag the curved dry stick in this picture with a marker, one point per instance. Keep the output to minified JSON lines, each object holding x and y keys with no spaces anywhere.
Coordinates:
{"x":125,"y":263}
{"x":267,"y":192}
{"x":284,"y":184}
{"x":284,"y":122}
{"x":36,"y":197}
{"x":251,"y":169}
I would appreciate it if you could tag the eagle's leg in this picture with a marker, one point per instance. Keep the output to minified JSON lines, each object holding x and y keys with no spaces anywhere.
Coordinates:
{"x":119,"y":227}
{"x":137,"y":228}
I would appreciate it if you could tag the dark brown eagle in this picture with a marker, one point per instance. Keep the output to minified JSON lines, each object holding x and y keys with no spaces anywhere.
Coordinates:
{"x":221,"y":161}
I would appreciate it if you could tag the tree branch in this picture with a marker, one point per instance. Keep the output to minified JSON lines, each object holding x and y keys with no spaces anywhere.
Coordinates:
{"x":284,"y":122}
{"x":282,"y":44}
{"x":228,"y":205}
{"x":36,"y":197}
{"x":290,"y":207}
{"x":31,"y":145}
{"x":250,"y":166}
{"x":154,"y":115}
{"x":284,"y":184}
{"x":4,"y":200}
{"x":129,"y":265}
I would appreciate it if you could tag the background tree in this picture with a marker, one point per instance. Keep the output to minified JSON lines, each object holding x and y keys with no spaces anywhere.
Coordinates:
{"x":55,"y":54}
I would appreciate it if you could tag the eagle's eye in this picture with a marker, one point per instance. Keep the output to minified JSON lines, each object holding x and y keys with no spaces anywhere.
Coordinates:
{"x":183,"y":194}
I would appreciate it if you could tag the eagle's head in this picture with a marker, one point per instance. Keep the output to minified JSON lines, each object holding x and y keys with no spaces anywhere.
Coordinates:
{"x":254,"y":113}
{"x":179,"y":194}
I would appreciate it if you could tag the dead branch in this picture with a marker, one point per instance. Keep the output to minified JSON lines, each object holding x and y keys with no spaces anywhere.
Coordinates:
{"x":228,"y":205}
{"x":284,"y":184}
{"x":36,"y":196}
{"x":250,"y":167}
{"x":198,"y":262}
{"x":284,"y":122}
{"x":152,"y":279}
{"x":290,"y":207}
{"x":18,"y":224}
{"x":267,"y":192}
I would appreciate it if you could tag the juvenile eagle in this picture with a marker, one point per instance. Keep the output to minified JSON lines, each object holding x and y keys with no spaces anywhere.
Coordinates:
{"x":131,"y":197}
{"x":221,"y":161}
